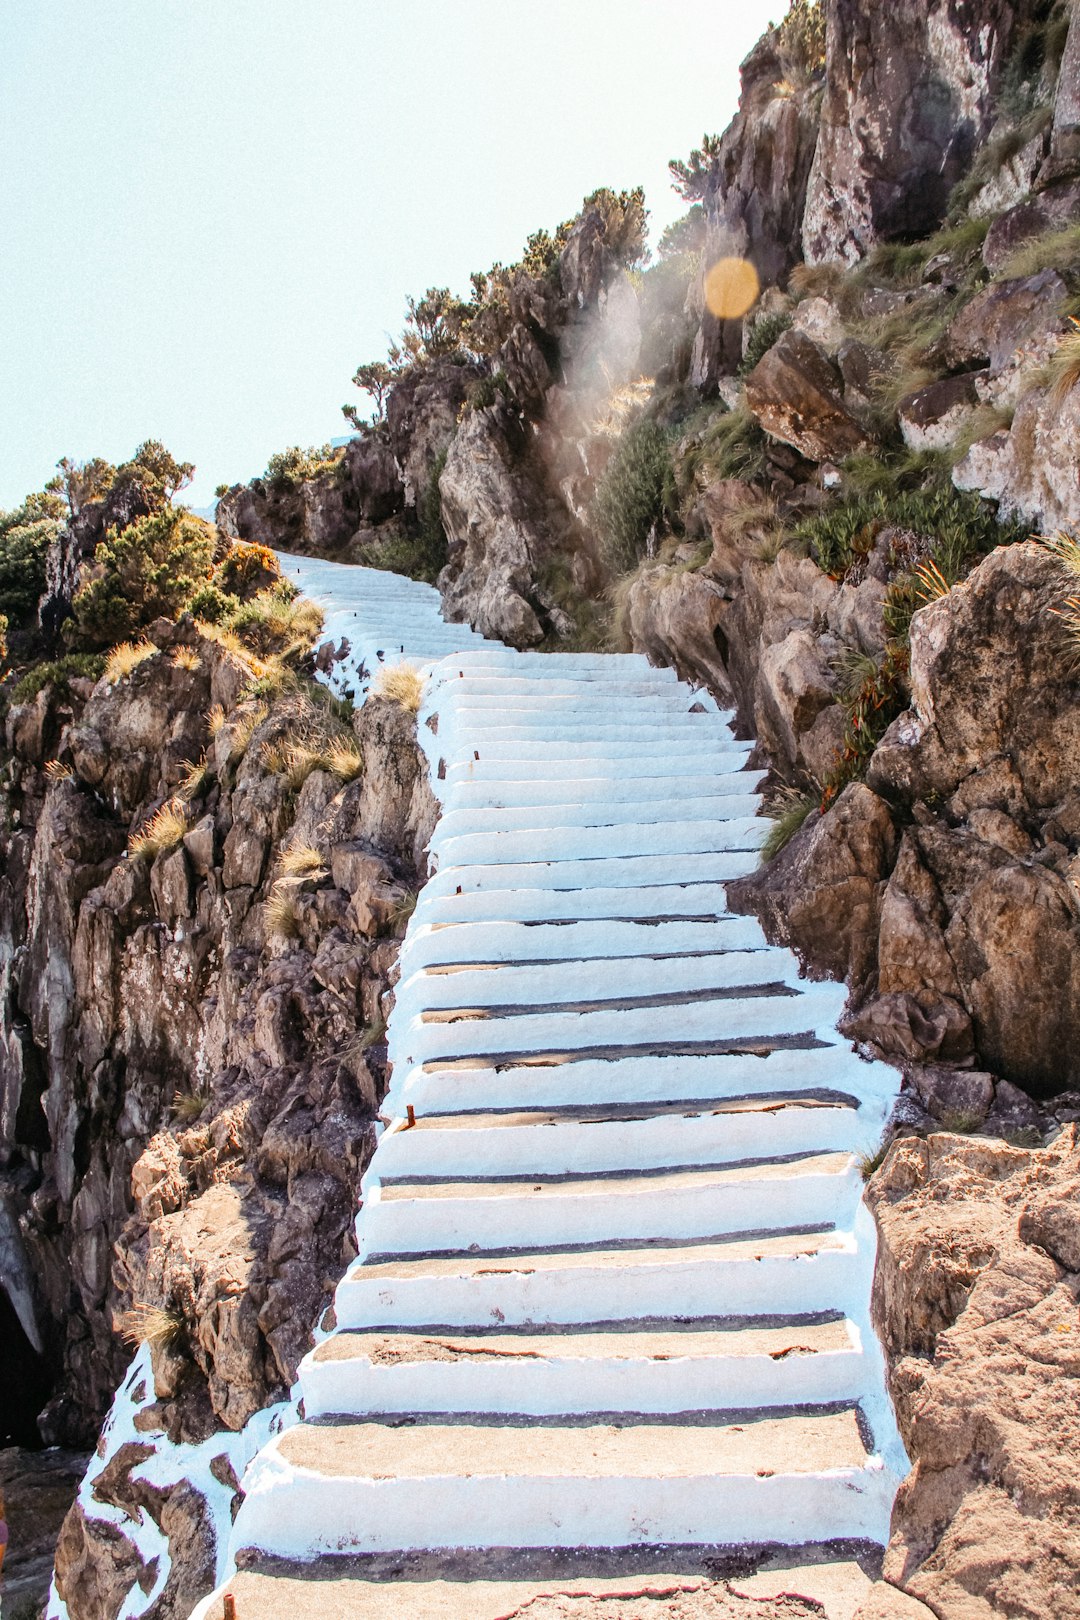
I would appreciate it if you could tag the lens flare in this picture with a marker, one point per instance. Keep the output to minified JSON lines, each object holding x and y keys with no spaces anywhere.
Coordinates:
{"x":731,"y":288}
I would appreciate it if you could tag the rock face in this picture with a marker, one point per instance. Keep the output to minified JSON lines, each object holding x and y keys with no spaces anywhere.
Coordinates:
{"x":189,"y":1094}
{"x":977,"y":1291}
{"x":908,"y":98}
{"x":318,"y":516}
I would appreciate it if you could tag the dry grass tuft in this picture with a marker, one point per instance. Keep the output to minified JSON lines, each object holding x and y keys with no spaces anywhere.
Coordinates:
{"x":280,"y":912}
{"x":188,"y":1105}
{"x":186,"y":658}
{"x":787,"y":813}
{"x":197,"y":780}
{"x":215,"y":719}
{"x":401,"y":683}
{"x":125,"y":657}
{"x":161,"y":833}
{"x":301,"y":863}
{"x":931,"y":582}
{"x":344,"y":759}
{"x":155,"y":1325}
{"x":56,"y":771}
{"x":292,"y":759}
{"x":245,"y":724}
{"x":1063,"y":370}
{"x":1065,"y":547}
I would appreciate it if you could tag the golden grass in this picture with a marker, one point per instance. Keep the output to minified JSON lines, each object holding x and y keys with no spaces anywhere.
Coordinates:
{"x":196,"y":781}
{"x":229,"y":642}
{"x":300,"y":863}
{"x":1065,"y":547}
{"x":1055,"y":250}
{"x":931,"y":582}
{"x":343,"y":758}
{"x":186,"y":658}
{"x":280,"y":912}
{"x":187,"y":1106}
{"x":56,"y":771}
{"x":162,"y":832}
{"x":125,"y":657}
{"x":244,"y":727}
{"x":154,"y":1325}
{"x":400,"y":683}
{"x":292,"y":759}
{"x":1063,"y":368}
{"x":215,"y":719}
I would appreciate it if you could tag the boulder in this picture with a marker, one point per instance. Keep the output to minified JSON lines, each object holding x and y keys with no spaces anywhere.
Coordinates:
{"x":794,"y":392}
{"x":675,"y":618}
{"x":1002,"y":318}
{"x":931,"y":418}
{"x":1030,"y":469}
{"x":822,"y":894}
{"x":796,"y":682}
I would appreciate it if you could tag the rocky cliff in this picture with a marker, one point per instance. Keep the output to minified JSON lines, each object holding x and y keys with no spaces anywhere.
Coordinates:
{"x":822,"y":510}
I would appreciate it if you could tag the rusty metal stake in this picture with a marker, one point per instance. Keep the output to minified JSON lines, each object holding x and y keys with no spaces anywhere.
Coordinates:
{"x":410,"y":1114}
{"x":229,"y":1609}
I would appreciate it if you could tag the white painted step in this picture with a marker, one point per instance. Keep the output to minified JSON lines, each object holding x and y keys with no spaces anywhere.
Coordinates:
{"x":659,"y":749}
{"x":654,"y":1367}
{"x":593,"y":981}
{"x":557,"y":1144}
{"x":688,"y":1023}
{"x":827,"y":1070}
{"x":596,"y":788}
{"x":428,"y":946}
{"x":707,"y":901}
{"x":760,"y":1276}
{"x":640,"y":872}
{"x":677,"y":836}
{"x":371,"y":1487}
{"x":717,"y":807}
{"x":425,"y":1218}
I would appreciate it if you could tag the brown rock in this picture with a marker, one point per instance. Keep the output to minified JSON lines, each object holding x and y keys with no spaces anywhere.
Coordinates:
{"x":1003,"y":317}
{"x":984,"y":1350}
{"x":675,"y":618}
{"x":822,"y":894}
{"x":902,"y":1027}
{"x":955,"y":1097}
{"x":796,"y":682}
{"x":795,"y":394}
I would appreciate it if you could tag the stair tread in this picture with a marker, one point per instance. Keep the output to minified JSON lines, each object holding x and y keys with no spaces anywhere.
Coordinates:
{"x":622,"y":1183}
{"x":802,"y":1444}
{"x":658,"y":1343}
{"x":601,"y":1114}
{"x":641,"y":1255}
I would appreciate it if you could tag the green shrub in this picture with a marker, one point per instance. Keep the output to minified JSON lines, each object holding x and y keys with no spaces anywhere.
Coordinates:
{"x":25,"y":537}
{"x":632,"y":495}
{"x":787,"y":814}
{"x":762,"y":336}
{"x":958,"y":527}
{"x":57,"y":672}
{"x":288,"y":468}
{"x":152,"y":569}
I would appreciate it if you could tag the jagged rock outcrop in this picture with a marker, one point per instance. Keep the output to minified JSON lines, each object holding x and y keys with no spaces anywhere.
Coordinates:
{"x":908,"y":100}
{"x":976,"y":1294}
{"x":318,"y":516}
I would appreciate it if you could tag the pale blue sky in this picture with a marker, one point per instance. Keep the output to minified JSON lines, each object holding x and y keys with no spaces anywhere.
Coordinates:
{"x":211,"y":210}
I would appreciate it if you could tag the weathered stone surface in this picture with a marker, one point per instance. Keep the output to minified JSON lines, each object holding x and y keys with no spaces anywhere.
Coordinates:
{"x":1030,"y":470}
{"x":931,"y":418}
{"x":983,"y":1346}
{"x":318,"y":516}
{"x":822,"y":894}
{"x":39,"y":1488}
{"x":673,"y":617}
{"x":796,"y":683}
{"x":908,"y":96}
{"x":1002,"y":318}
{"x":794,"y":393}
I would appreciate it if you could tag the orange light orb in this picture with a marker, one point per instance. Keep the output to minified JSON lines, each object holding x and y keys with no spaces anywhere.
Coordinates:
{"x":731,"y":288}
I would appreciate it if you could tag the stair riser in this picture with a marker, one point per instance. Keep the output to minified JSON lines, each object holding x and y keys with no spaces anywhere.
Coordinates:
{"x":305,"y":1515}
{"x":637,"y":1081}
{"x":596,"y":980}
{"x":426,"y":947}
{"x":592,"y":787}
{"x":583,"y":843}
{"x":648,"y":1027}
{"x":620,"y":1144}
{"x":719,"y":807}
{"x":621,"y":871}
{"x":553,"y":1387}
{"x":528,"y":903}
{"x":661,"y":756}
{"x":550,"y":1219}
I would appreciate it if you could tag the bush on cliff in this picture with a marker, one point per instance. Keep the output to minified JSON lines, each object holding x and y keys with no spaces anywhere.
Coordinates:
{"x":25,"y":537}
{"x":151,"y":570}
{"x":633,"y":495}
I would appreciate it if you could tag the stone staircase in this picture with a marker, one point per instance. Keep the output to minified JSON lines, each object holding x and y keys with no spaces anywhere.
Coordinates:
{"x":608,"y":1328}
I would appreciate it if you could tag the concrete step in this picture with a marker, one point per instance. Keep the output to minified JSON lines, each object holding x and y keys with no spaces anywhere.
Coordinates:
{"x":679,"y":836}
{"x":633,"y":1030}
{"x":660,"y":750}
{"x":427,"y":946}
{"x":323,"y":1488}
{"x":421,"y":1217}
{"x":593,"y":980}
{"x":720,"y":806}
{"x":638,"y":872}
{"x":635,"y":1367}
{"x":602,"y":789}
{"x":762,"y":1275}
{"x":562,"y":1143}
{"x":826,"y":1071}
{"x":703,"y":901}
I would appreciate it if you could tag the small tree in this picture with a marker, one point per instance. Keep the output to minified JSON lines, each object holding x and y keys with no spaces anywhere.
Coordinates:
{"x":80,"y":482}
{"x":147,"y":571}
{"x":433,"y":324}
{"x":691,"y":178}
{"x":25,"y":537}
{"x":625,"y":223}
{"x":160,"y":474}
